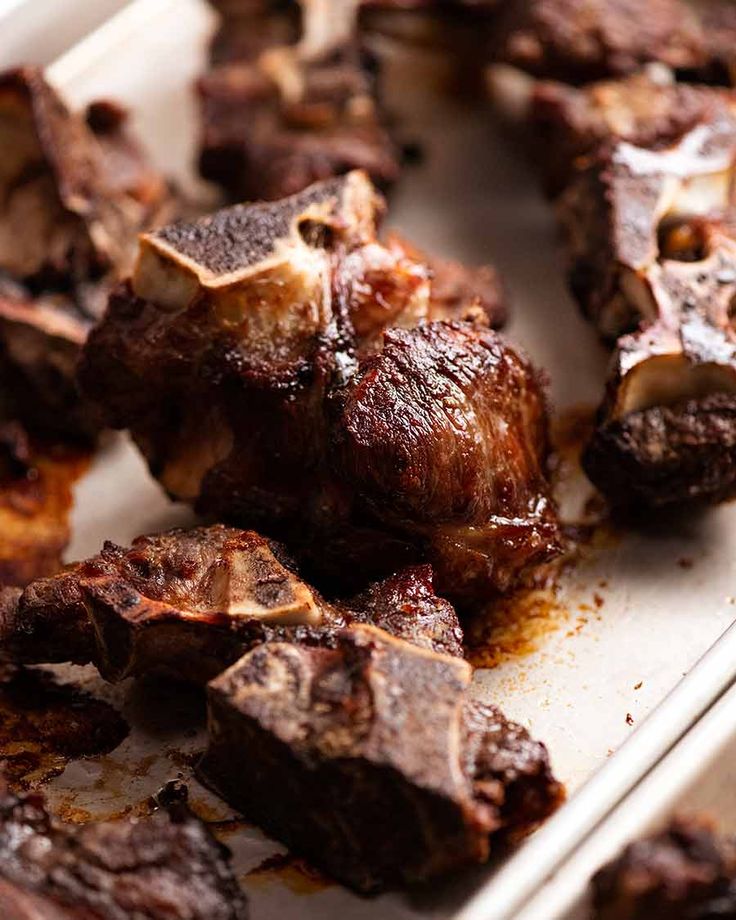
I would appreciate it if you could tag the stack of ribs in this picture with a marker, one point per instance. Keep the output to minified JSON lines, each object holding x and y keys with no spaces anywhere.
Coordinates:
{"x":644,"y":169}
{"x":164,"y":867}
{"x":279,"y":113}
{"x":281,"y":368}
{"x":346,"y":729}
{"x":75,"y":192}
{"x":685,"y":872}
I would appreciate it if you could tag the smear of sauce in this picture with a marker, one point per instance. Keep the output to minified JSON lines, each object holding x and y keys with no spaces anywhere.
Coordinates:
{"x":292,"y":871}
{"x":44,"y":724}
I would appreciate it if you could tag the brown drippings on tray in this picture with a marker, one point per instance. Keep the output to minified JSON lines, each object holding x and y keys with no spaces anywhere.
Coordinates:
{"x":292,"y":871}
{"x":44,"y":724}
{"x":514,"y":626}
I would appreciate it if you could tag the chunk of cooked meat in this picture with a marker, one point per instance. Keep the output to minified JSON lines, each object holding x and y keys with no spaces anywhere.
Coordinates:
{"x":581,"y":40}
{"x":681,"y":873}
{"x":653,"y":262}
{"x":281,"y":368}
{"x":646,"y":109}
{"x":74,"y":195}
{"x":192,"y":602}
{"x":35,"y":502}
{"x":164,"y":867}
{"x":279,"y":116}
{"x":372,"y":759}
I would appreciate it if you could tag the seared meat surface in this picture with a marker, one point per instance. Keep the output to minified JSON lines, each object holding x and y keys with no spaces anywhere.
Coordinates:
{"x":646,"y":109}
{"x":682,"y":873}
{"x":74,"y":196}
{"x":192,"y":602}
{"x":652,"y":250}
{"x":278,"y":114}
{"x":35,"y":502}
{"x":165,"y":867}
{"x":281,"y":368}
{"x":581,"y":40}
{"x":372,"y":759}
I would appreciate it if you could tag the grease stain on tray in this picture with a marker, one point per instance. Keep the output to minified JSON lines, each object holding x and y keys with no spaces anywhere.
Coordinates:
{"x":292,"y":871}
{"x":44,"y":724}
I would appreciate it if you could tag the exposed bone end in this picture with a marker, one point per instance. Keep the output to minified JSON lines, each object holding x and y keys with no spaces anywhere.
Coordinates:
{"x":240,"y":246}
{"x":251,"y":583}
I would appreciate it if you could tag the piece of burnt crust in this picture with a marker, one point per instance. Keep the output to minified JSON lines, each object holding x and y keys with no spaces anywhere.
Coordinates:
{"x":577,"y":42}
{"x":191,"y":602}
{"x":36,"y":485}
{"x":277,"y":117}
{"x":74,"y":194}
{"x":371,"y":759}
{"x":163,"y":867}
{"x":281,"y":368}
{"x":684,"y":872}
{"x":653,"y":262}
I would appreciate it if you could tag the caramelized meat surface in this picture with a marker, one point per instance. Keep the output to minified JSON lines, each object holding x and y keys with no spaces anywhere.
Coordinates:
{"x":281,"y":368}
{"x":74,"y":194}
{"x":35,"y":502}
{"x":192,"y":602}
{"x":166,"y":867}
{"x":683,"y":873}
{"x":278,"y":115}
{"x":578,"y":41}
{"x":645,"y":109}
{"x":372,"y":759}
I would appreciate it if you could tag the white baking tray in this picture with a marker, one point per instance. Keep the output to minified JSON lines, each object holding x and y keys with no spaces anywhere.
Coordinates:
{"x":38,"y":31}
{"x":628,"y":621}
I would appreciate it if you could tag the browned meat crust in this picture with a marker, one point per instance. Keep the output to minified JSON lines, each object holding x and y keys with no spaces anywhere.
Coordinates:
{"x":35,"y":502}
{"x":683,"y":873}
{"x":278,"y":115}
{"x":570,"y":123}
{"x":252,"y":361}
{"x":74,"y":196}
{"x":718,"y":23}
{"x":192,"y":602}
{"x":166,"y":867}
{"x":578,"y":41}
{"x":668,"y":454}
{"x":373,"y":761}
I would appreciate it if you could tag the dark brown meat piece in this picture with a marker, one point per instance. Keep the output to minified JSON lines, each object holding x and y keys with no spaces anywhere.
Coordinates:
{"x":277,"y":117}
{"x":581,"y":40}
{"x":653,"y":263}
{"x":249,"y":351}
{"x":718,"y":23}
{"x":372,"y":760}
{"x":35,"y":502}
{"x":166,"y":867}
{"x":74,"y":197}
{"x":647,"y":110}
{"x":192,"y":602}
{"x":685,"y":872}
